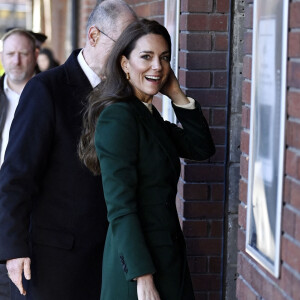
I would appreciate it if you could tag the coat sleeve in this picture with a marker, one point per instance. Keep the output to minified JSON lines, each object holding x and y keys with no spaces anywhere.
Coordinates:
{"x":116,"y":142}
{"x":193,"y":141}
{"x":25,"y":161}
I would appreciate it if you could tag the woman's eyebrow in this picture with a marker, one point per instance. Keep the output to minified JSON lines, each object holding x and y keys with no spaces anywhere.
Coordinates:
{"x":151,"y":52}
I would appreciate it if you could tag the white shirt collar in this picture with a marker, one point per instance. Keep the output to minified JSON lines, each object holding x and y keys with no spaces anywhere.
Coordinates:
{"x":8,"y":91}
{"x":148,"y":105}
{"x":90,"y":74}
{"x":13,"y":100}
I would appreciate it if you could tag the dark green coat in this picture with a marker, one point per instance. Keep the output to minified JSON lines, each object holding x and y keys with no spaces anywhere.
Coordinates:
{"x":139,"y":158}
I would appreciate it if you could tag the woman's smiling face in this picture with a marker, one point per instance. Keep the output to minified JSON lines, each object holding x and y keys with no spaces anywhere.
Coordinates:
{"x":148,"y":66}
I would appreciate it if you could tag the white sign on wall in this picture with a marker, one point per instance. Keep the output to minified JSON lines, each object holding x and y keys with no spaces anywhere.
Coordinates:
{"x":267,"y":132}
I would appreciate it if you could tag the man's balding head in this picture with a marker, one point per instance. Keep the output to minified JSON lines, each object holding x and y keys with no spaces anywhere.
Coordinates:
{"x":105,"y":24}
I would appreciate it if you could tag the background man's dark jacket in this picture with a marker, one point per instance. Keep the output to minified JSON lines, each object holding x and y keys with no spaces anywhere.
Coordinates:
{"x":3,"y":107}
{"x":45,"y":188}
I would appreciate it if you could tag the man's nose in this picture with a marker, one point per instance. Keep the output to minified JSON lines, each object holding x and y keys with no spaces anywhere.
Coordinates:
{"x":17,"y":58}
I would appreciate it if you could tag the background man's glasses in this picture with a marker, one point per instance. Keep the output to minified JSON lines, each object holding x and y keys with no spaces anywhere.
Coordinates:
{"x":105,"y":34}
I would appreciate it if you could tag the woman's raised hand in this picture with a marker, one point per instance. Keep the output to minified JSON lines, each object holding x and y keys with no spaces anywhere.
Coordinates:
{"x":173,"y":91}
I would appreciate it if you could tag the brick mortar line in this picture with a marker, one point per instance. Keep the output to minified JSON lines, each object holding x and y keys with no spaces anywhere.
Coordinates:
{"x":191,"y":32}
{"x":246,"y":181}
{"x":144,"y":3}
{"x":241,"y":228}
{"x":291,"y":239}
{"x":247,"y":105}
{"x":243,"y":154}
{"x":243,"y":205}
{"x":290,"y":269}
{"x":203,"y":13}
{"x":294,"y":120}
{"x":265,"y":276}
{"x":207,"y":89}
{"x":293,"y":179}
{"x":293,"y":89}
{"x":247,"y":131}
{"x":294,"y":59}
{"x":294,"y":150}
{"x":250,"y":287}
{"x":203,"y":51}
{"x":243,"y":179}
{"x":293,"y":209}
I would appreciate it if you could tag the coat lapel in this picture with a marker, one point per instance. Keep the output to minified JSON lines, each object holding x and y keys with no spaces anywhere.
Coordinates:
{"x":76,"y":78}
{"x":155,"y":124}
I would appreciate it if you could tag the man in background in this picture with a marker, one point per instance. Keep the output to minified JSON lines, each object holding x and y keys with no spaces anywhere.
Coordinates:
{"x":19,"y":58}
{"x":43,"y":185}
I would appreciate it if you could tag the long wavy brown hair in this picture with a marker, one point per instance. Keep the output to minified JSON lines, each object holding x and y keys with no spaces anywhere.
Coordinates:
{"x":115,"y":88}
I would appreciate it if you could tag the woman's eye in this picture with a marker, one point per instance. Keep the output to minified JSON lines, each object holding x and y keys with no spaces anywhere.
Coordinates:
{"x":166,"y":58}
{"x":146,"y":56}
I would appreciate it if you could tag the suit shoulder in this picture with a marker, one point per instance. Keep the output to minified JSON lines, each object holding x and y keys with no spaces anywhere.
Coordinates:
{"x":55,"y":74}
{"x":118,"y":108}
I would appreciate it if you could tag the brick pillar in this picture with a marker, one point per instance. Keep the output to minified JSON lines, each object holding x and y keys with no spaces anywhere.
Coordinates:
{"x":203,"y":74}
{"x":85,"y":8}
{"x":58,"y":26}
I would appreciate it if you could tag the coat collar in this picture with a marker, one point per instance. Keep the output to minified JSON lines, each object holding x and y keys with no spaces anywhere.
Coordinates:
{"x":76,"y":78}
{"x":156,"y":125}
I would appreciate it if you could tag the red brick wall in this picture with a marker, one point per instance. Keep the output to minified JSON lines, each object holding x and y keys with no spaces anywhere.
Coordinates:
{"x":85,"y":7}
{"x":253,"y":281}
{"x":203,"y":75}
{"x":58,"y":25}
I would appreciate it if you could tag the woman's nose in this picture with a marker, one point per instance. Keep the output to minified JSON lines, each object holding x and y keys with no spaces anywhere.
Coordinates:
{"x":156,"y":64}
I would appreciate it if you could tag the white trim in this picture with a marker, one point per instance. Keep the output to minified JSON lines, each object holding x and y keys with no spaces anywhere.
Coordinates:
{"x":167,"y":110}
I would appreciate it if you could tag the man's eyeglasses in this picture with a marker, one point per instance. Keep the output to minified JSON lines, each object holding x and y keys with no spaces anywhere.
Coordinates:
{"x":105,"y":34}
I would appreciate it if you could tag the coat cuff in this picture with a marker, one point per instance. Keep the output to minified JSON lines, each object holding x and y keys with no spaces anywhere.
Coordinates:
{"x":190,"y":105}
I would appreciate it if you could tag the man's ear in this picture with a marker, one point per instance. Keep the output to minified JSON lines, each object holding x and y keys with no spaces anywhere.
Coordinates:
{"x":36,"y":52}
{"x":93,"y":36}
{"x":124,"y":64}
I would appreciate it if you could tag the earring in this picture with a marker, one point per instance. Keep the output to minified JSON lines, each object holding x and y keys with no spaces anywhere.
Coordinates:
{"x":127,"y":76}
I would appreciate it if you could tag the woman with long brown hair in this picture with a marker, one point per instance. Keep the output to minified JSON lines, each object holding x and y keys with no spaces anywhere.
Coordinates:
{"x":138,"y":154}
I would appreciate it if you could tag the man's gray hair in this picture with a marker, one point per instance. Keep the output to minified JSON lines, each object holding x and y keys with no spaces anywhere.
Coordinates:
{"x":105,"y":15}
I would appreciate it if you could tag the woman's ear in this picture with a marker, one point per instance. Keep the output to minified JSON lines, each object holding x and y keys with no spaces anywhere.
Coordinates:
{"x":124,"y":64}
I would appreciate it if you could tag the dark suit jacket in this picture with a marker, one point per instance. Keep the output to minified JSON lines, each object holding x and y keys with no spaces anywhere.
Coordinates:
{"x":139,"y":158}
{"x":44,"y":187}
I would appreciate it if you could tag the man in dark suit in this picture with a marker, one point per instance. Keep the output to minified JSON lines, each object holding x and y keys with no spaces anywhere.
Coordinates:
{"x":19,"y":57}
{"x":52,"y":211}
